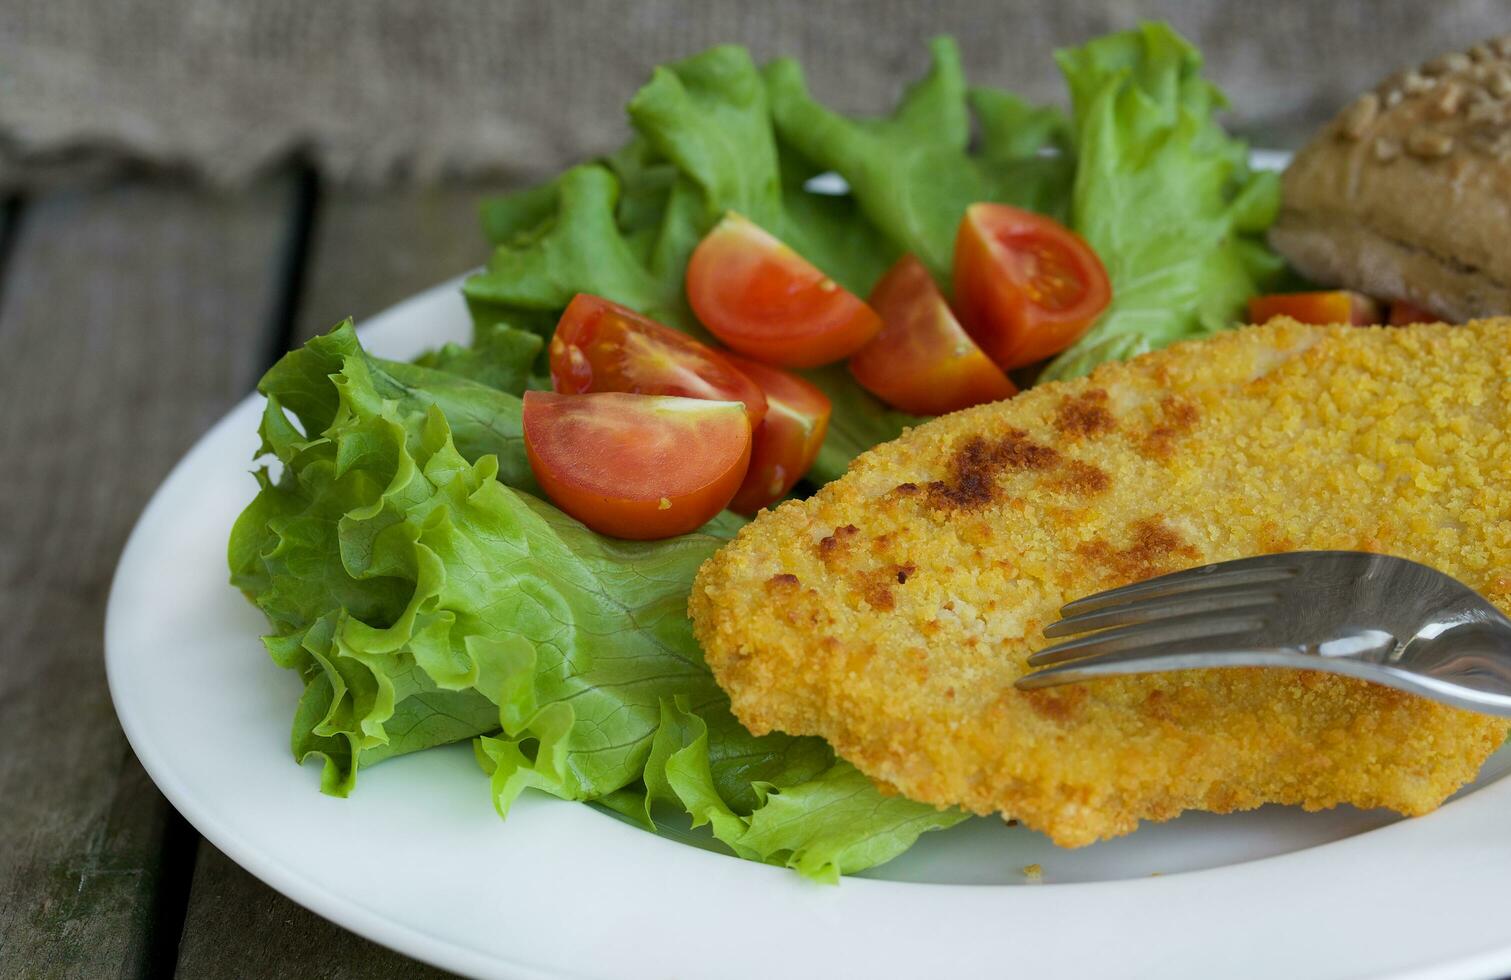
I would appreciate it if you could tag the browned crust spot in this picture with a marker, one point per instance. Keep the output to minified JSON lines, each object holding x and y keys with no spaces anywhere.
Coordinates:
{"x":1085,"y":414}
{"x":1082,"y":479}
{"x":783,"y":582}
{"x":1153,"y":549}
{"x":1057,"y":704}
{"x":975,"y":465}
{"x":1272,"y":540}
{"x":1178,"y":417}
{"x":832,"y":545}
{"x":880,"y":597}
{"x":905,"y":489}
{"x":1016,"y":451}
{"x":1157,"y":705}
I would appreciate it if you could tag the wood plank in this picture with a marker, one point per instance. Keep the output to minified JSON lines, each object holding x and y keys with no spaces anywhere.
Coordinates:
{"x":232,"y":916}
{"x":369,"y":250}
{"x":130,"y":319}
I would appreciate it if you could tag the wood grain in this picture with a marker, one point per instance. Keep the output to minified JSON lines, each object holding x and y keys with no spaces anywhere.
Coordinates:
{"x":238,"y":927}
{"x":130,"y":318}
{"x":368,"y":252}
{"x":371,"y":249}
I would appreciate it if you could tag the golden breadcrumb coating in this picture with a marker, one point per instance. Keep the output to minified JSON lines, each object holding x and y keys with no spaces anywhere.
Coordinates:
{"x":892,"y":612}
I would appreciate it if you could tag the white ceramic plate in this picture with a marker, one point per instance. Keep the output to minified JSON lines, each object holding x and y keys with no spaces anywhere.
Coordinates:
{"x":416,"y":858}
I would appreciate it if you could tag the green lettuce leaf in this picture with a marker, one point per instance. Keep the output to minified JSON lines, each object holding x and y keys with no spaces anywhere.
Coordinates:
{"x":500,"y":356}
{"x":838,"y":824}
{"x":908,"y":172}
{"x":707,"y":116}
{"x":824,"y":823}
{"x":911,"y":173}
{"x":532,"y":276}
{"x":424,"y":601}
{"x":645,"y":188}
{"x":829,"y":229}
{"x":1164,"y":196}
{"x":287,"y":551}
{"x":1012,"y":129}
{"x":1027,"y":151}
{"x":511,"y":216}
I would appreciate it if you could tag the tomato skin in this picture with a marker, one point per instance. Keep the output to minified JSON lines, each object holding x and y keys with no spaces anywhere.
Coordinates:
{"x":786,"y":444}
{"x":767,"y":302}
{"x":1026,"y":287}
{"x":1404,"y":314}
{"x":923,"y":361}
{"x":1323,"y":308}
{"x":602,"y":346}
{"x":636,"y":466}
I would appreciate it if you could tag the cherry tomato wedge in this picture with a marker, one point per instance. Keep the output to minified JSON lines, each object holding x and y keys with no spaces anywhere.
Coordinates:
{"x":1335,"y":306}
{"x":767,"y":302}
{"x":602,"y":346}
{"x":923,"y":361}
{"x":1026,"y":287}
{"x":636,"y":466}
{"x":786,"y":444}
{"x":1404,"y":314}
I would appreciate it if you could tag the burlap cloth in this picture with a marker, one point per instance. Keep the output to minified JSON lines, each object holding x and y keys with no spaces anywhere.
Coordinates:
{"x":371,"y":91}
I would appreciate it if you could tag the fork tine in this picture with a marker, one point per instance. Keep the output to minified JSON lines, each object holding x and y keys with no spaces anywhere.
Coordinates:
{"x":1158,"y":608}
{"x":1176,"y":629}
{"x":1157,"y":658}
{"x":1244,"y":571}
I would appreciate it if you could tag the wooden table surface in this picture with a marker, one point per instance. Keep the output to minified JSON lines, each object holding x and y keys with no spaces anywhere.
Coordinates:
{"x":132,"y":317}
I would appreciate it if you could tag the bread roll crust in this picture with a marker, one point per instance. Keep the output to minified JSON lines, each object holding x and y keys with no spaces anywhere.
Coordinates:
{"x":1406,"y":194}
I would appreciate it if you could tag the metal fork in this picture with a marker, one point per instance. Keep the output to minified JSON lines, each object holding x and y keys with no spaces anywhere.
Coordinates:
{"x":1374,"y":617}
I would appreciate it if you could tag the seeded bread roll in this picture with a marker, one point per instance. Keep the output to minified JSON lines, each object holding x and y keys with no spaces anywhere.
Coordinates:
{"x":1406,"y":195}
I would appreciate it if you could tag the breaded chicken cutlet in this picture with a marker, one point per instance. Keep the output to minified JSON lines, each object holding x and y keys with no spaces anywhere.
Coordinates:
{"x":892,"y":612}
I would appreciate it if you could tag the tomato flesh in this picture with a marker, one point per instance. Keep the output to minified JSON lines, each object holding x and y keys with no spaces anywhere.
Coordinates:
{"x":1026,"y":287}
{"x":767,"y":302}
{"x":1404,"y":314}
{"x":602,"y":346}
{"x":786,"y":444}
{"x":923,"y":361}
{"x":1332,"y":306}
{"x":636,"y":466}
